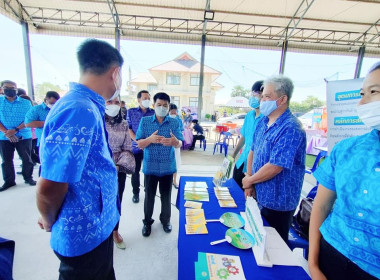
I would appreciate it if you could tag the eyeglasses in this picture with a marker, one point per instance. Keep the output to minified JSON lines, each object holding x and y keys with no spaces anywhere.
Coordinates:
{"x":372,"y":92}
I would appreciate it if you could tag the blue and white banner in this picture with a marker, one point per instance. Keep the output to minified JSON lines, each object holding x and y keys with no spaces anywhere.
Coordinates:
{"x":342,"y":118}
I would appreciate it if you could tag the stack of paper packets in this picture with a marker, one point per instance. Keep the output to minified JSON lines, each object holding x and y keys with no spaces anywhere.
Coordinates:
{"x":196,"y":191}
{"x":195,"y":221}
{"x":224,"y":197}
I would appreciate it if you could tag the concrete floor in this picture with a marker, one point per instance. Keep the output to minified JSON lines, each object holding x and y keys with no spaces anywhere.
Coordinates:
{"x":149,"y":258}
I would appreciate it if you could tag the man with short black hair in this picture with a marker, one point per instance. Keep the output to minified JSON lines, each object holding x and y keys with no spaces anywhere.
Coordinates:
{"x":134,"y":116}
{"x":199,"y":134}
{"x":158,"y":135}
{"x":246,"y":132}
{"x":36,"y":116}
{"x":14,"y":135}
{"x":77,"y":191}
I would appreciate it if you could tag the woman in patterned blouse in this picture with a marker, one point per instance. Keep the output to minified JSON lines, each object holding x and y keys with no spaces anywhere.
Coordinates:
{"x":121,"y":146}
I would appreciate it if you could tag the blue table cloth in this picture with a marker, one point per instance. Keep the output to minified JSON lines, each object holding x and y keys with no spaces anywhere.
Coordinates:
{"x":7,"y":250}
{"x":190,"y":245}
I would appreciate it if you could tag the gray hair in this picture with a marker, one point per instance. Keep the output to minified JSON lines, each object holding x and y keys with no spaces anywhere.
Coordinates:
{"x":374,"y":67}
{"x":282,"y":85}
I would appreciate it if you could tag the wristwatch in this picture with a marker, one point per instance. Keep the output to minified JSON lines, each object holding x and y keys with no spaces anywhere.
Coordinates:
{"x":17,"y":130}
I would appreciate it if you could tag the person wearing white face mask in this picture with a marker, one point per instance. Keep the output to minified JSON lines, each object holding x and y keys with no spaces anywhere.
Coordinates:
{"x":77,"y":193}
{"x":121,"y":146}
{"x":158,"y":135}
{"x":344,"y":233}
{"x":276,"y":162}
{"x":134,"y":116}
{"x":173,"y":113}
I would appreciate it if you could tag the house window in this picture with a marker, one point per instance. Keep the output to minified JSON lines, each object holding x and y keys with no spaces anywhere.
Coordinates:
{"x":194,"y":79}
{"x":173,"y":78}
{"x":152,"y":87}
{"x":175,"y":100}
{"x":193,"y":101}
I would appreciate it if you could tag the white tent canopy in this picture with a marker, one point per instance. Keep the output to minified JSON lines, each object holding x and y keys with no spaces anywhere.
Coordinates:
{"x":238,"y":102}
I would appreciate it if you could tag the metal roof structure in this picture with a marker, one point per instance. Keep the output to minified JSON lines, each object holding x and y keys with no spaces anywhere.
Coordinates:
{"x":314,"y":26}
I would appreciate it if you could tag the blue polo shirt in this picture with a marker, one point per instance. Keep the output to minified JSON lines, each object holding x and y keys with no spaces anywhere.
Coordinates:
{"x":158,"y":159}
{"x":12,"y":114}
{"x":282,"y":144}
{"x":74,"y":150}
{"x":37,"y":113}
{"x":247,"y":131}
{"x":352,"y":170}
{"x":134,"y":116}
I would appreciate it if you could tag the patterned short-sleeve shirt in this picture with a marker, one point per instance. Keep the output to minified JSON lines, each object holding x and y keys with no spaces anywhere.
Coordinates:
{"x":352,"y":170}
{"x":12,"y":114}
{"x":282,"y":144}
{"x":74,"y":150}
{"x":37,"y":113}
{"x":134,"y":116}
{"x":159,"y":160}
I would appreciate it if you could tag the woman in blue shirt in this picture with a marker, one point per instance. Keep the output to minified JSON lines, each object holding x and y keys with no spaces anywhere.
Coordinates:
{"x":345,"y":222}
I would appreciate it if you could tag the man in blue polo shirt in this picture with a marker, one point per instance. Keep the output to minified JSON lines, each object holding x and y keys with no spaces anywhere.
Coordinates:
{"x":276,"y":162}
{"x":14,"y":135}
{"x":36,"y":116}
{"x":158,"y":135}
{"x":77,"y":191}
{"x":134,"y":116}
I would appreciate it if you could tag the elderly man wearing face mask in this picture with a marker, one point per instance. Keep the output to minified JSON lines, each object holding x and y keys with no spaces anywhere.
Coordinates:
{"x":14,"y":135}
{"x":134,"y":116}
{"x":158,"y":135}
{"x":276,"y":162}
{"x":344,"y":235}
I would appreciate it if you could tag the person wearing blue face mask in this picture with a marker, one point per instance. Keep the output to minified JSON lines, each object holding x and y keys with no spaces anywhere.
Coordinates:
{"x":250,"y":122}
{"x":276,"y":162}
{"x":158,"y":135}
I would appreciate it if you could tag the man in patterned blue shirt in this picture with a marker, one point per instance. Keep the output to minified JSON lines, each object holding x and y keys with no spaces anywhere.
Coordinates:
{"x":157,"y":135}
{"x":134,"y":116}
{"x":276,"y":162}
{"x":14,"y":135}
{"x":77,"y":191}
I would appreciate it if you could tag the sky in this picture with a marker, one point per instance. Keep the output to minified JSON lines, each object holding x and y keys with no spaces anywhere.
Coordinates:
{"x":54,"y":61}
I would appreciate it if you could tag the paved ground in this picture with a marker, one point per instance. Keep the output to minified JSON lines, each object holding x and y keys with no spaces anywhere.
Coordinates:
{"x":149,"y":258}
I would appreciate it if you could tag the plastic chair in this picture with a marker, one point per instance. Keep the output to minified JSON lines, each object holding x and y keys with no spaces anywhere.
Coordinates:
{"x":321,"y":154}
{"x":224,"y":138}
{"x":204,"y":144}
{"x":295,"y":240}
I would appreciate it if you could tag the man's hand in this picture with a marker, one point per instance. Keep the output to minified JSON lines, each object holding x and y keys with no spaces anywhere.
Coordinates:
{"x":247,"y":181}
{"x":172,"y":141}
{"x":250,"y":192}
{"x":44,"y":224}
{"x":10,"y":132}
{"x":13,"y":139}
{"x":154,"y":138}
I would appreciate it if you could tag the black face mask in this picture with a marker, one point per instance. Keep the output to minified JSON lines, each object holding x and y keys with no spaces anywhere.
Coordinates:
{"x":10,"y":92}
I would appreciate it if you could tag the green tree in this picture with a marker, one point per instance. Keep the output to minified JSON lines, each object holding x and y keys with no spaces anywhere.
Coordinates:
{"x":306,"y":105}
{"x":41,"y":90}
{"x":240,"y":91}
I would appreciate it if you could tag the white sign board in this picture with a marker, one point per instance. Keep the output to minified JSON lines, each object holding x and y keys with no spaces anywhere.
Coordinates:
{"x":342,"y":119}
